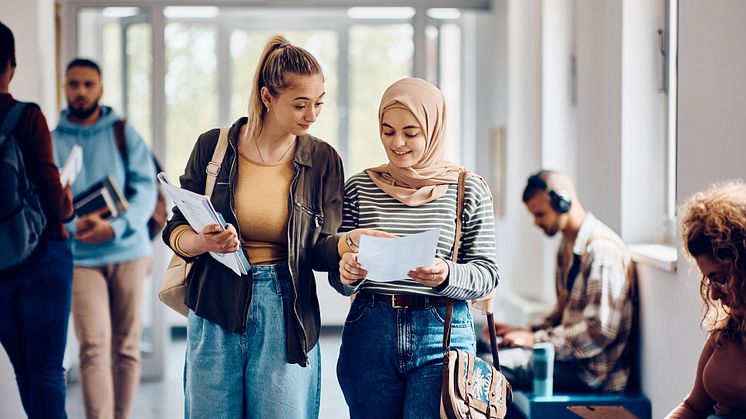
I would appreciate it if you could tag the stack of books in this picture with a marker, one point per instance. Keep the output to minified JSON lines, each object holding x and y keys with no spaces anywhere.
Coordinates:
{"x":104,"y":196}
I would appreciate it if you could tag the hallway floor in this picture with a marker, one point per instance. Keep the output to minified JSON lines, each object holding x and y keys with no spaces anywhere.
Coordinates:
{"x":165,"y":399}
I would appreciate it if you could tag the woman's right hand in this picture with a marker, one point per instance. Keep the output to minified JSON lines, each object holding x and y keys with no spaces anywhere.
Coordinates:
{"x":350,"y":270}
{"x":215,"y":238}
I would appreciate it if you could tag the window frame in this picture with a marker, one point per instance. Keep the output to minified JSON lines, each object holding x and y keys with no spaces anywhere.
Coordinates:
{"x":225,"y":24}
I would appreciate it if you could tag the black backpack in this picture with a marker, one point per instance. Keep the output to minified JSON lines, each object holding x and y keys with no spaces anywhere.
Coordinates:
{"x":21,"y":217}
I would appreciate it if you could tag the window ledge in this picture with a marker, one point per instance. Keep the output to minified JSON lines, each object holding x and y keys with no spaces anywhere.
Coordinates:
{"x":660,"y":256}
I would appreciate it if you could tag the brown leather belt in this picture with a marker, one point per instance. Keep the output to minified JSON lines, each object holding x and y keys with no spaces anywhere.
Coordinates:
{"x":409,"y":301}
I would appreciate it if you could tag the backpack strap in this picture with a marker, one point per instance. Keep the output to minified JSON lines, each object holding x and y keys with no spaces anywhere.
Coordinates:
{"x":120,"y":139}
{"x":11,"y":119}
{"x":213,"y":167}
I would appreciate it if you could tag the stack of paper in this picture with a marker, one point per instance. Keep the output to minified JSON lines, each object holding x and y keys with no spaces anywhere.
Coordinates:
{"x":390,"y":259}
{"x":200,"y":213}
{"x":72,"y":166}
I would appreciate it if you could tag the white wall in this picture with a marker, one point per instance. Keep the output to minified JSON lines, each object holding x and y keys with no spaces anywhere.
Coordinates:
{"x":32,"y":23}
{"x":670,"y":336}
{"x":516,"y":237}
{"x":559,"y":113}
{"x":712,"y":93}
{"x":711,"y":146}
{"x":559,"y":123}
{"x":613,"y":140}
{"x":599,"y":45}
{"x":643,"y":127}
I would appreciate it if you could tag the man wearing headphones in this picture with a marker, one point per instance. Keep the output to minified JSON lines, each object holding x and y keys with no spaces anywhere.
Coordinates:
{"x":592,"y":320}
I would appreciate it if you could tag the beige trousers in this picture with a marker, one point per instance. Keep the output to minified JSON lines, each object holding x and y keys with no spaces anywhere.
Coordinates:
{"x":106,"y":309}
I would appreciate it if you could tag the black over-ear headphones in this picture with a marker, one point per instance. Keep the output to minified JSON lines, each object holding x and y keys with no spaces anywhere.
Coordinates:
{"x":560,"y":201}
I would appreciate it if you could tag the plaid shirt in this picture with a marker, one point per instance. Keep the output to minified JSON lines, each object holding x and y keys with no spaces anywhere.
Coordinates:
{"x":591,"y":323}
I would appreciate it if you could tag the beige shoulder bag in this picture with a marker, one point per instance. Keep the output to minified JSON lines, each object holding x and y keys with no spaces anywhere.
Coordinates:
{"x":174,"y":287}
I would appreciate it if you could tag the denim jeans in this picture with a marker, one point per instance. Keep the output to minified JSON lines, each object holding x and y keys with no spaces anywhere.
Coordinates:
{"x":246,"y":375}
{"x":34,"y":308}
{"x":391,"y":360}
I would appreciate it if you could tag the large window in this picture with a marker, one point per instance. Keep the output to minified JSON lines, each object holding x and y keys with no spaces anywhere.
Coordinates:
{"x":209,"y":56}
{"x":379,"y":56}
{"x":191,"y":85}
{"x":124,"y":52}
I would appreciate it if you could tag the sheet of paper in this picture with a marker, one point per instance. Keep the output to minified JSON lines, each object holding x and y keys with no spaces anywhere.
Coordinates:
{"x":200,"y":213}
{"x":390,"y":259}
{"x":72,"y":166}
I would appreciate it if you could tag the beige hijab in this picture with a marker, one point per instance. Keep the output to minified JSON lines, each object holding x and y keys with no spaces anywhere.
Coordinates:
{"x":429,"y":178}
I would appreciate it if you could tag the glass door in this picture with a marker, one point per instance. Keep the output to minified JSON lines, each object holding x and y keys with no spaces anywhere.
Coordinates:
{"x":122,"y":46}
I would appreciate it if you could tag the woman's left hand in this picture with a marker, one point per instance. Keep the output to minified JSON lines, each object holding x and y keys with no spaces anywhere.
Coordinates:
{"x":432,"y":275}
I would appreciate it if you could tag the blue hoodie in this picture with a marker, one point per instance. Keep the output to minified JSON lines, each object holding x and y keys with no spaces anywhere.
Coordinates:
{"x":101,"y":158}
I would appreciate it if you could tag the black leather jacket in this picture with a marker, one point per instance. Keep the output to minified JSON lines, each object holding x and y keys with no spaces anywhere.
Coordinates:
{"x":315,"y":210}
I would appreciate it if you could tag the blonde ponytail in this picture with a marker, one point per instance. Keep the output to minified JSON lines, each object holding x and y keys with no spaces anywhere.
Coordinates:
{"x":278,"y":58}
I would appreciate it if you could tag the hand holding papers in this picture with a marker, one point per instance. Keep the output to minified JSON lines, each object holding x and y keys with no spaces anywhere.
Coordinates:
{"x":388,"y":259}
{"x":200,"y":213}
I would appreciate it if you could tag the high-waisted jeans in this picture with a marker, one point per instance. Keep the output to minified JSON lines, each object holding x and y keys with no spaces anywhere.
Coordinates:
{"x":246,"y":375}
{"x":391,"y":360}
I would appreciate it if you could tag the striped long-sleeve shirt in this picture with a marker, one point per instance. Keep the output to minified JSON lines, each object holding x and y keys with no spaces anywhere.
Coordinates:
{"x":475,"y":274}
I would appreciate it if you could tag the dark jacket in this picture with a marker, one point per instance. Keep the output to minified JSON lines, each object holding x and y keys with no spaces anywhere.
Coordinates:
{"x":315,"y":213}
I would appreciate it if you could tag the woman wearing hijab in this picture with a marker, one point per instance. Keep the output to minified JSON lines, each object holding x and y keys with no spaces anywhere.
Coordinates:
{"x":390,"y":362}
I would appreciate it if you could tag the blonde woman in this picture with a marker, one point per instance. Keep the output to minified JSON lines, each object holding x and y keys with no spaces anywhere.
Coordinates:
{"x":252,"y":346}
{"x":714,"y":232}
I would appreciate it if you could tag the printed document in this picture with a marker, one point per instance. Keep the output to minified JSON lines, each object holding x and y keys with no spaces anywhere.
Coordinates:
{"x":72,"y":166}
{"x":390,"y":259}
{"x":200,"y":213}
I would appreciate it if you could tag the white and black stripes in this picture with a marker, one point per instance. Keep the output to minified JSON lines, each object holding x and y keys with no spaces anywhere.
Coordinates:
{"x":476,"y":274}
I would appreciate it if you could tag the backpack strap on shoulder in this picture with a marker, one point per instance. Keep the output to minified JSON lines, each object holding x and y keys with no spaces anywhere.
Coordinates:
{"x":11,"y":119}
{"x":213,"y":167}
{"x":120,"y":138}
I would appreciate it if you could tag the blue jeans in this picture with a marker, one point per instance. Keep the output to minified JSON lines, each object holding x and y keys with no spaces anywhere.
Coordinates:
{"x":246,"y":375}
{"x":391,"y":360}
{"x":34,"y":308}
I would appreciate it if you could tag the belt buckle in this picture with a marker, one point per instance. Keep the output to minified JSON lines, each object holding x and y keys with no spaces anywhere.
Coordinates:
{"x":393,"y":302}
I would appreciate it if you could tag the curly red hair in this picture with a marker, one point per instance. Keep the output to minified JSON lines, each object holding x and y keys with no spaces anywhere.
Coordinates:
{"x":714,"y":224}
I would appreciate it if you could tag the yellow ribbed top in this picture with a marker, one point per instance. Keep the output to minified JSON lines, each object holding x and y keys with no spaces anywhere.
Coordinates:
{"x":261,"y":209}
{"x":262,"y":197}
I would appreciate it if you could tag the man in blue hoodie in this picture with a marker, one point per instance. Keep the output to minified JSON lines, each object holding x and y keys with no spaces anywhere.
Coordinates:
{"x":111,"y":256}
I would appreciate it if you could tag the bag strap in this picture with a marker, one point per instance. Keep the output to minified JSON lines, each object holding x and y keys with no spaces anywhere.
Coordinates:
{"x":213,"y":167}
{"x":493,"y":342}
{"x":449,"y":306}
{"x":454,"y":255}
{"x":11,"y":119}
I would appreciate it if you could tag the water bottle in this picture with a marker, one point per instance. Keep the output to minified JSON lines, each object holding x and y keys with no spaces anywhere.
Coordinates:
{"x":543,"y":368}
